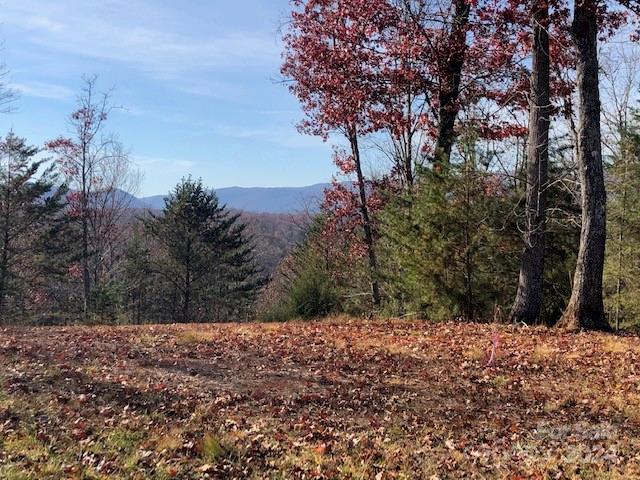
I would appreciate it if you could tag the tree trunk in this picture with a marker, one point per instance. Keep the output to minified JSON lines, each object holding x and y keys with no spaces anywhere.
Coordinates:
{"x":408,"y":153}
{"x":586,"y":308}
{"x":450,"y":83}
{"x":528,"y":301}
{"x":186,"y":306}
{"x":366,"y":220}
{"x":86,"y":278}
{"x":4,"y":265}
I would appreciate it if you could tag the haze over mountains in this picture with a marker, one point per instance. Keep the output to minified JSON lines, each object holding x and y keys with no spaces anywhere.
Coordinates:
{"x":256,"y":199}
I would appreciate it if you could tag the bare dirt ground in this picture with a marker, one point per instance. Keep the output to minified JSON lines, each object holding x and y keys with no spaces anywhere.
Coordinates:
{"x":335,"y":399}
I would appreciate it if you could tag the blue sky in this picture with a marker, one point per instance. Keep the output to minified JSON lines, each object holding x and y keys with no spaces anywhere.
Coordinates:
{"x":198,"y":80}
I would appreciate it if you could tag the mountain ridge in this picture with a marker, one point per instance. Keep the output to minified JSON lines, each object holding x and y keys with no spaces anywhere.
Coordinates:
{"x":255,"y":199}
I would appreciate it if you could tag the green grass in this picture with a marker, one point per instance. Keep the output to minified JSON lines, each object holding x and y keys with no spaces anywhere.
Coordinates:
{"x":212,"y":449}
{"x":121,"y":440}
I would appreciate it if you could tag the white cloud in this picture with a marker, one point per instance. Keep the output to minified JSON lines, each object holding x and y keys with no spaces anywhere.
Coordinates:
{"x":166,"y":164}
{"x":43,"y":90}
{"x":44,"y":23}
{"x":118,"y":31}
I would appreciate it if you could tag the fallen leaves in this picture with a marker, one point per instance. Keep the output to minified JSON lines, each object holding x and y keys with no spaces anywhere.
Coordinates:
{"x":335,"y":399}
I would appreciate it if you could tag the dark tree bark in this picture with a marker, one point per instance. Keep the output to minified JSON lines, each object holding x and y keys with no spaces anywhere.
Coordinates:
{"x":4,"y":262}
{"x":585,"y":308}
{"x":366,"y":220}
{"x":528,"y":301}
{"x":86,"y":278}
{"x":450,"y":85}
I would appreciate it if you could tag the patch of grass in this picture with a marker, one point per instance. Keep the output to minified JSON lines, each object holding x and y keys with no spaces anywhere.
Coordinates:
{"x":121,"y":440}
{"x":52,"y":469}
{"x":573,"y":355}
{"x":131,"y":462}
{"x":552,"y":406}
{"x":167,"y":472}
{"x":396,"y":432}
{"x":6,"y":402}
{"x":500,"y":380}
{"x":542,"y":352}
{"x":212,"y":449}
{"x":627,"y":404}
{"x":146,"y":340}
{"x":193,"y":336}
{"x":4,"y":396}
{"x":308,"y":460}
{"x":476,"y":354}
{"x":613,"y":344}
{"x":385,"y":344}
{"x":351,"y":468}
{"x":13,"y":472}
{"x":26,"y":446}
{"x":592,"y":473}
{"x":169,"y":441}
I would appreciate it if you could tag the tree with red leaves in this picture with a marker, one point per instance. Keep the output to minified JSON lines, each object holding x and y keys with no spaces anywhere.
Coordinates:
{"x":364,"y":67}
{"x":101,"y":177}
{"x":333,"y":59}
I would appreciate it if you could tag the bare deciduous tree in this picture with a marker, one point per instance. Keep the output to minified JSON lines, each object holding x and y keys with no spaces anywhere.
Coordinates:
{"x":101,"y":178}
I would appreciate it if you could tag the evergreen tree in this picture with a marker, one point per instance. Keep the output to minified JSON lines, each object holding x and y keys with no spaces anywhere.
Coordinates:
{"x":203,"y":255}
{"x":137,"y":279}
{"x":308,"y":280}
{"x":622,"y":267}
{"x":469,"y":264}
{"x":30,"y":212}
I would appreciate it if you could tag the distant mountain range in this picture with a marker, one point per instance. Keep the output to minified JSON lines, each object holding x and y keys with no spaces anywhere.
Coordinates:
{"x":256,"y":199}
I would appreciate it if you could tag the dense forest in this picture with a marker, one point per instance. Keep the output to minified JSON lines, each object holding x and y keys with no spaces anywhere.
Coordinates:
{"x":483,"y":140}
{"x":488,"y":168}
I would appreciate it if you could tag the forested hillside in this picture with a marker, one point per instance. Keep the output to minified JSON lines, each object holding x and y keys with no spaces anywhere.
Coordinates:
{"x":487,"y":164}
{"x":280,"y":200}
{"x":455,"y":295}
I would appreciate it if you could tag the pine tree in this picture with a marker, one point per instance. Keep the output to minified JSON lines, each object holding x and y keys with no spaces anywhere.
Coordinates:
{"x":137,"y":279}
{"x":459,"y":211}
{"x":310,"y":280}
{"x":30,"y":209}
{"x":204,"y":255}
{"x":622,"y":269}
